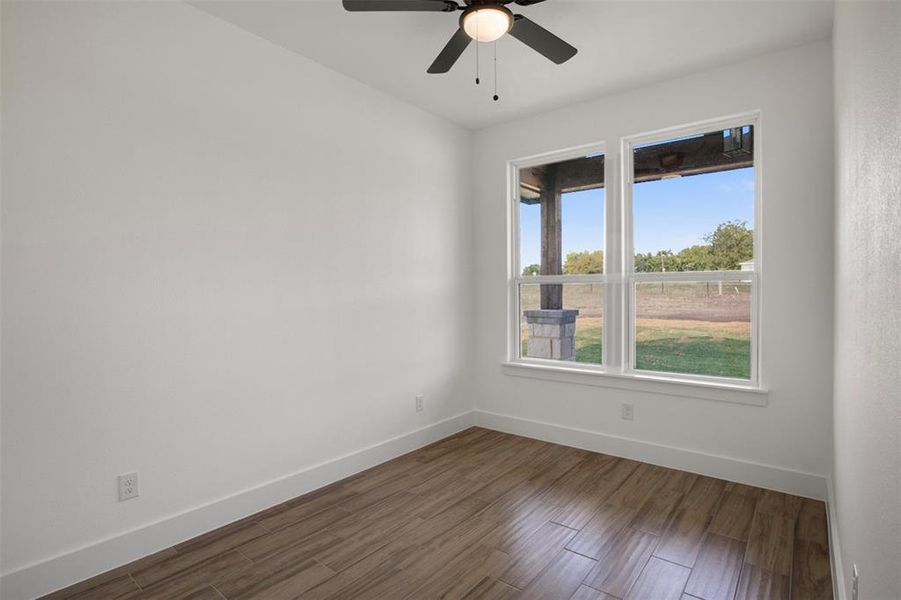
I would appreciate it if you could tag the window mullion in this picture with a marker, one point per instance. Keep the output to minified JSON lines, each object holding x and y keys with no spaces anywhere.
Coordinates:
{"x":553,"y":279}
{"x":626,"y":246}
{"x":613,"y":267}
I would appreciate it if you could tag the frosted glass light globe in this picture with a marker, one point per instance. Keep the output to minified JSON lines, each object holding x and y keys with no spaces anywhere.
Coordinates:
{"x":487,"y":24}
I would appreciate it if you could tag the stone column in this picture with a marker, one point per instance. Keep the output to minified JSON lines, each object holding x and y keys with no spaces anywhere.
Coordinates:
{"x":552,"y":333}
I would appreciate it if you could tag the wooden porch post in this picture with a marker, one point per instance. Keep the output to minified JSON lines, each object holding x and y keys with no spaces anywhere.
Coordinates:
{"x":551,"y":240}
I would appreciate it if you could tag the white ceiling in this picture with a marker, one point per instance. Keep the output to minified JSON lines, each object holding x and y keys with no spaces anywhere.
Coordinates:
{"x":622,"y":44}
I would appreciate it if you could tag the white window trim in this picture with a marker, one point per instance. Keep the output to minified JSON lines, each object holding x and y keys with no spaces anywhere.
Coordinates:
{"x":619,"y":279}
{"x":549,"y":370}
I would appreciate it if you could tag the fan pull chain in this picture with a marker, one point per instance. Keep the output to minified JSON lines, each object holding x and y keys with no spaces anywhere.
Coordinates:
{"x":495,"y":72}
{"x":477,"y":48}
{"x":477,"y":63}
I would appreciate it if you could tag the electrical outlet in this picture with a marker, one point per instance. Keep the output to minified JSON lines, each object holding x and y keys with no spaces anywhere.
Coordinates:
{"x":420,"y":403}
{"x":628,"y":412}
{"x":854,"y":579}
{"x":128,"y":486}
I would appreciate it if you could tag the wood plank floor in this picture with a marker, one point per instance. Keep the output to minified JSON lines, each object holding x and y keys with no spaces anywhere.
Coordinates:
{"x":484,"y":514}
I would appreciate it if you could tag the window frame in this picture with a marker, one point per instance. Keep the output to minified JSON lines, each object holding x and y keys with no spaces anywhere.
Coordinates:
{"x":516,"y":279}
{"x":630,"y":277}
{"x":619,"y":278}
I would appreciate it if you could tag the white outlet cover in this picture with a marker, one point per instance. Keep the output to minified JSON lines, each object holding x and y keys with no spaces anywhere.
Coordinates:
{"x":628,"y":412}
{"x":128,"y":486}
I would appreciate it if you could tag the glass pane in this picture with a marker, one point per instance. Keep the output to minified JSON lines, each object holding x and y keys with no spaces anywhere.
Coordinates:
{"x":699,"y":328}
{"x":693,"y":203}
{"x":573,"y":333}
{"x":561,"y":217}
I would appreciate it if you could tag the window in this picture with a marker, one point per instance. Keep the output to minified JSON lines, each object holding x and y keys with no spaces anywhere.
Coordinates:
{"x":559,"y":273}
{"x":659,"y":281}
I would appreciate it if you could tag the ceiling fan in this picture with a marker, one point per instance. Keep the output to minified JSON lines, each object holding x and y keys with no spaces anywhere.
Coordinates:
{"x":482,"y":20}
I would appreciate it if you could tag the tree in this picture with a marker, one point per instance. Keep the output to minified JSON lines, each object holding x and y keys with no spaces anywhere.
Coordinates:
{"x":584,"y":263}
{"x":663,"y":260}
{"x":696,"y":258}
{"x":730,"y":244}
{"x":531,"y":270}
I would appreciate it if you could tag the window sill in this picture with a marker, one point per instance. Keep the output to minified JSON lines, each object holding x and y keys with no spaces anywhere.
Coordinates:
{"x":736,"y":394}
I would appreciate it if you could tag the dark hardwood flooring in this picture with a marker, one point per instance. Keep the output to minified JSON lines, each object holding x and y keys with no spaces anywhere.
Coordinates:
{"x":484,"y":514}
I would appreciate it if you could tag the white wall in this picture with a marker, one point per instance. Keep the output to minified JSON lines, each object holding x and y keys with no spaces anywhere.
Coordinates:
{"x":219,"y":259}
{"x":793,"y":89}
{"x":867,"y":476}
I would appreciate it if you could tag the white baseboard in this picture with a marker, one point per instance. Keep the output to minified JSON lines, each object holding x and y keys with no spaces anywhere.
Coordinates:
{"x":769,"y":477}
{"x":835,"y":549}
{"x":66,"y":569}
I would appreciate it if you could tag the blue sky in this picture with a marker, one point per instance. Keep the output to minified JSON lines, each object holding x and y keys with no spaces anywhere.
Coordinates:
{"x":670,"y":214}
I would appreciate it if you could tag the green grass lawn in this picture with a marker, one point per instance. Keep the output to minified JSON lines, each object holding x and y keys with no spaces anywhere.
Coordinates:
{"x":698,"y":347}
{"x":676,"y":346}
{"x":588,"y":340}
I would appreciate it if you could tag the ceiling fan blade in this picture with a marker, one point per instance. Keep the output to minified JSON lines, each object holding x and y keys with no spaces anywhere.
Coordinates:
{"x":527,"y":2}
{"x":452,"y":51}
{"x":541,"y":40}
{"x":400,"y":5}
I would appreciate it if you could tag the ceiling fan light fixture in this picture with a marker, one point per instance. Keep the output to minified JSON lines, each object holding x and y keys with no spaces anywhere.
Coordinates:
{"x":486,"y":23}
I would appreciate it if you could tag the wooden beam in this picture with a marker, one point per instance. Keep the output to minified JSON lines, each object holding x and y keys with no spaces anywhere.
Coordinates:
{"x":693,"y":156}
{"x":573,"y":175}
{"x":581,"y":174}
{"x":680,"y":158}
